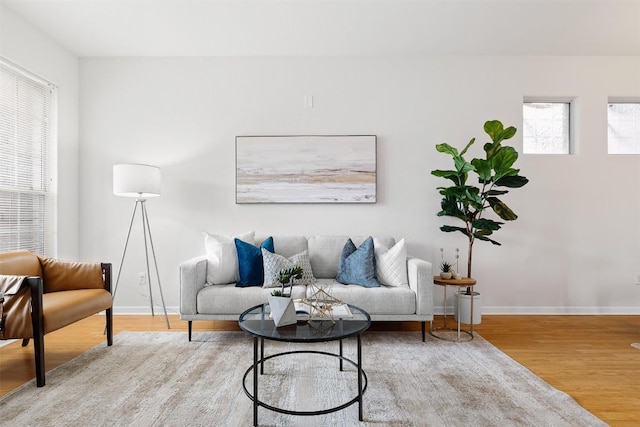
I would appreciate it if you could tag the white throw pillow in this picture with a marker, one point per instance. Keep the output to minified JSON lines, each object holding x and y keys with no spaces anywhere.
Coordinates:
{"x":222,"y":258}
{"x":274,"y":263}
{"x":391,"y":263}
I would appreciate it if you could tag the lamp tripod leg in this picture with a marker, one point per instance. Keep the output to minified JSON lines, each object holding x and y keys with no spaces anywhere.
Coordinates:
{"x":124,"y":252}
{"x":146,"y":255}
{"x":145,"y":220}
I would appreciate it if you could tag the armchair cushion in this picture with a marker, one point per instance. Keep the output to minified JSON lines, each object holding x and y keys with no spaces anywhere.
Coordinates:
{"x":60,"y":275}
{"x":23,"y":263}
{"x":60,"y":309}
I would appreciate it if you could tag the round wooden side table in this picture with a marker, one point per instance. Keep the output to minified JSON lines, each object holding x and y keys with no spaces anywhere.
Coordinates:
{"x":459,"y":283}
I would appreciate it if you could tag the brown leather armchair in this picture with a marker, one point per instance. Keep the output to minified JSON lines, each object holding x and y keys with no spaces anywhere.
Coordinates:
{"x":40,"y":295}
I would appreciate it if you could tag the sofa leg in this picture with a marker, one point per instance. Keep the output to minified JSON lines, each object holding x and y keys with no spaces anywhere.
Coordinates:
{"x":25,"y":342}
{"x":190,"y":326}
{"x":423,"y":330}
{"x":109,"y":316}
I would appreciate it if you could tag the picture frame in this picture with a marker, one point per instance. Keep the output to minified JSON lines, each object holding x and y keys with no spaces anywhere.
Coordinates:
{"x":306,"y":169}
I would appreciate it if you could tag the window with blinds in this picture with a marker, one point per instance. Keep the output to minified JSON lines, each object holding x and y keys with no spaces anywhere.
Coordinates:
{"x":27,"y":160}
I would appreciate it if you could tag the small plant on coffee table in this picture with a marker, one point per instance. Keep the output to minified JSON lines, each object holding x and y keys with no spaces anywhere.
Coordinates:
{"x":285,"y":277}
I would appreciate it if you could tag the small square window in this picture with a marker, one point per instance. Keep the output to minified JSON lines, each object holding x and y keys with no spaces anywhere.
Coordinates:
{"x":624,"y":127}
{"x":546,"y":127}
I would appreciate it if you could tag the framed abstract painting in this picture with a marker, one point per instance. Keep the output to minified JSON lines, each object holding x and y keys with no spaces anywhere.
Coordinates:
{"x":306,"y":169}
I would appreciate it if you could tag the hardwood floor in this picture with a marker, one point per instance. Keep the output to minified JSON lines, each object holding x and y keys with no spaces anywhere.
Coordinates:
{"x":588,"y":357}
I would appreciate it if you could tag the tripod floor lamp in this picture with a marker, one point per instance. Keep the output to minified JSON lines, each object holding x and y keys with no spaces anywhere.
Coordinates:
{"x":139,"y":181}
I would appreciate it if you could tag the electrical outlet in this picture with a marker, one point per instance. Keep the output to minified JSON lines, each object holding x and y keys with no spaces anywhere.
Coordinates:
{"x":142,"y":281}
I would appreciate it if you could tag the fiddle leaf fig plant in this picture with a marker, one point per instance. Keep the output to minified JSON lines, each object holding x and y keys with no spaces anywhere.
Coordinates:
{"x":469,"y":200}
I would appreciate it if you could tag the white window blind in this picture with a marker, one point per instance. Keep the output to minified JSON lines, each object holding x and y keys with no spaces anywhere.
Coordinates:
{"x":27,"y":158}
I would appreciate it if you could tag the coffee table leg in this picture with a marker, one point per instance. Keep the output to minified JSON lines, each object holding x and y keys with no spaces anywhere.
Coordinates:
{"x":340,"y":355}
{"x":255,"y":381}
{"x":261,"y":356}
{"x":360,"y":412}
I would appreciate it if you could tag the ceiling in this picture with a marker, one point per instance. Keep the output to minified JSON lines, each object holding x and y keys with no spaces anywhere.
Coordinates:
{"x":97,"y":28}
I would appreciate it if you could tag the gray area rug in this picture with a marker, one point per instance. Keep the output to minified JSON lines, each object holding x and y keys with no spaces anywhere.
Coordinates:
{"x":161,"y":379}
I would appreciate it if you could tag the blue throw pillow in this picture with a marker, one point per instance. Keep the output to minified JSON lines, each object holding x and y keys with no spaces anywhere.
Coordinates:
{"x":250,"y":267}
{"x":358,"y":266}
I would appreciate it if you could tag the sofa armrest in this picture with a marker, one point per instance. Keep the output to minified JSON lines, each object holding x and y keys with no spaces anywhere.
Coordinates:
{"x":193,"y":277}
{"x":420,"y":274}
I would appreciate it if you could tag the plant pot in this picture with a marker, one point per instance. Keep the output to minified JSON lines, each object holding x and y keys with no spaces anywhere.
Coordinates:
{"x":465,"y":307}
{"x":283,"y":311}
{"x":446,"y":275}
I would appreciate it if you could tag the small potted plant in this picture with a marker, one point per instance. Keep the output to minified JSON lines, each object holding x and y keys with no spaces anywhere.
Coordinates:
{"x":283,"y":310}
{"x":446,"y":270}
{"x":285,"y":277}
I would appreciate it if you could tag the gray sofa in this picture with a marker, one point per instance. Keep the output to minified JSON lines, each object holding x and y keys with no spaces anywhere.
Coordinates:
{"x":200,"y":300}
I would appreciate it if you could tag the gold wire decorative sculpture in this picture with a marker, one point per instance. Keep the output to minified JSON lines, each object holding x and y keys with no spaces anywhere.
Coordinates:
{"x":321,"y":302}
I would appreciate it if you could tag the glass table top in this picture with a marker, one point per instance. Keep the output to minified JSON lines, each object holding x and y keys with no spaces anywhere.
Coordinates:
{"x":257,"y":322}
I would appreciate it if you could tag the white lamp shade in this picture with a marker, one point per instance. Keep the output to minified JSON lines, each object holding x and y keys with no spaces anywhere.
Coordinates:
{"x":131,"y":180}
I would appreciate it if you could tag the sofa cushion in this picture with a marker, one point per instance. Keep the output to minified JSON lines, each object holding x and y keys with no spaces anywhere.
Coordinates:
{"x":275,"y":263}
{"x":391,"y":263}
{"x":383,"y":300}
{"x":230,"y":300}
{"x":286,"y":245}
{"x":357,"y":266}
{"x":222,"y":257}
{"x":250,"y":268}
{"x":324,"y":253}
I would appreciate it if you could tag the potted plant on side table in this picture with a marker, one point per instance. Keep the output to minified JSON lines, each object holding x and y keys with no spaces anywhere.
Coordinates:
{"x":283,"y":310}
{"x":469,"y":201}
{"x":445,"y":270}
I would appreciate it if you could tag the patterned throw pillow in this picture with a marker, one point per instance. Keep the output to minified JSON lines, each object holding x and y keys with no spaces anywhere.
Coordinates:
{"x":391,"y":263}
{"x":250,"y":267}
{"x":358,"y":266}
{"x":274,"y":263}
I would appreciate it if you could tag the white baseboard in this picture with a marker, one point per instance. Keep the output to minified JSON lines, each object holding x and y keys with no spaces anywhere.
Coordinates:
{"x":495,"y":310}
{"x":158,"y":311}
{"x":562,"y":310}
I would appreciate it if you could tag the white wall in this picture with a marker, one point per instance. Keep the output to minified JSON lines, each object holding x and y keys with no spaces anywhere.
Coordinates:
{"x":574,"y":249}
{"x":26,"y":46}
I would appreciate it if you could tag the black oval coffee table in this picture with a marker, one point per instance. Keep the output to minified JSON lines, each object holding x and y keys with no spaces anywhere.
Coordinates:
{"x":257,"y":322}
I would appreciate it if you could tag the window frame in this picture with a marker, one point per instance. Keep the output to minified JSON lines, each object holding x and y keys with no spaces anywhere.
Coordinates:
{"x":620,"y":100}
{"x":572,"y":108}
